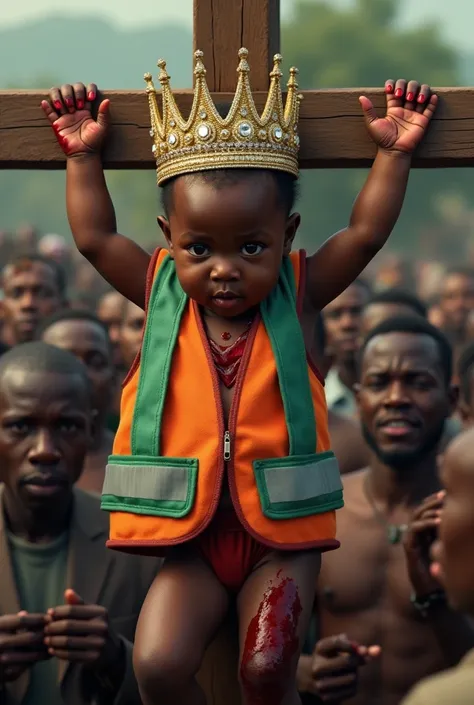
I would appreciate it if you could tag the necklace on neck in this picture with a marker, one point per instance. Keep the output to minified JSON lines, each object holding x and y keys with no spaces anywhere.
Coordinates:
{"x":394,"y":532}
{"x":226,"y":335}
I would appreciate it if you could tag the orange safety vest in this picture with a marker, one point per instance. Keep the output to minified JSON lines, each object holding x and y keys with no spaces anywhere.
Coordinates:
{"x":164,"y":479}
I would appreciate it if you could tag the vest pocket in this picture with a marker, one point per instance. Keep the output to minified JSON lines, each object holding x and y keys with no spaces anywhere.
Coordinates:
{"x":150,"y":485}
{"x":299,"y":485}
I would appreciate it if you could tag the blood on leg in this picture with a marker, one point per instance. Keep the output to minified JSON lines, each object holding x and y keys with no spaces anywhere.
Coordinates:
{"x":275,"y":607}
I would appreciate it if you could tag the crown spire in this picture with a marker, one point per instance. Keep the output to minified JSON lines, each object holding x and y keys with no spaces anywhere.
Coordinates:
{"x":242,"y":139}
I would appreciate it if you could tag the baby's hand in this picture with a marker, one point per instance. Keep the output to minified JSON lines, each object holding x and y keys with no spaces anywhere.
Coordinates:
{"x":69,"y":111}
{"x":409,"y":111}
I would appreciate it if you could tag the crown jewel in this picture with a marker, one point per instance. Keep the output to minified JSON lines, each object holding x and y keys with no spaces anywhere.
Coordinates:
{"x":242,"y":139}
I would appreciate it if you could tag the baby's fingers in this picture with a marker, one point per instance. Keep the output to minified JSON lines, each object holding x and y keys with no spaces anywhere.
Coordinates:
{"x":67,"y":93}
{"x":49,"y":111}
{"x":79,"y":90}
{"x":91,"y":94}
{"x":57,"y":101}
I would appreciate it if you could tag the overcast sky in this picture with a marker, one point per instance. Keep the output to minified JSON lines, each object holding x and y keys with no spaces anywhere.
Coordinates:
{"x":457,"y":16}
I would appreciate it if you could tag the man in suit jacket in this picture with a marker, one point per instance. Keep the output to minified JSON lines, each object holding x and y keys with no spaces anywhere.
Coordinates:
{"x":454,"y":567}
{"x":68,"y":606}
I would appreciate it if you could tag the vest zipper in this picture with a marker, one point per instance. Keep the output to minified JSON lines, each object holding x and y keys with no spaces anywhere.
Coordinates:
{"x":227,"y":447}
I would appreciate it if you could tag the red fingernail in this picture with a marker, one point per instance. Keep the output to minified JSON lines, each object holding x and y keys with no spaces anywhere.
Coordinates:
{"x":389,"y":89}
{"x":69,"y":102}
{"x":421,"y":98}
{"x":57,"y":104}
{"x":399,"y":93}
{"x":410,"y":96}
{"x":80,"y":104}
{"x":91,"y":96}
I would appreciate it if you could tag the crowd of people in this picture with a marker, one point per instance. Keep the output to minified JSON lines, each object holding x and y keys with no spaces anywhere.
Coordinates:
{"x":392,"y":363}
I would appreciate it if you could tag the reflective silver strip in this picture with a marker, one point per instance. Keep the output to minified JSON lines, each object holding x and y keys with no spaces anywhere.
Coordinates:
{"x":300,"y":482}
{"x":159,"y":482}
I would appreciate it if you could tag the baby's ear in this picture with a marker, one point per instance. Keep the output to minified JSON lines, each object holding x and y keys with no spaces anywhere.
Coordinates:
{"x":291,"y":228}
{"x":164,"y":226}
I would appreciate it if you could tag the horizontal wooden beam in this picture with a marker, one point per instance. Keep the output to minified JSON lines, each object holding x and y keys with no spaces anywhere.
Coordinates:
{"x":332,"y":130}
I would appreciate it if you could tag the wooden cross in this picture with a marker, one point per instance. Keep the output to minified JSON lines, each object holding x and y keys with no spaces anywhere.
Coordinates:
{"x":331,"y":127}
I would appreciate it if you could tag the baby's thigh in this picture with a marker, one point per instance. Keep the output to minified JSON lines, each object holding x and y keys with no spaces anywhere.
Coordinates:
{"x":183,"y":610}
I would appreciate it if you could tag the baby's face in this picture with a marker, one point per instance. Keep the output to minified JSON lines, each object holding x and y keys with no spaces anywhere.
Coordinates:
{"x":228,"y":242}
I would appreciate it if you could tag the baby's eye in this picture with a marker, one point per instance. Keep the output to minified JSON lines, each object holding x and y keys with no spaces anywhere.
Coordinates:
{"x":198,"y":250}
{"x":252,"y":248}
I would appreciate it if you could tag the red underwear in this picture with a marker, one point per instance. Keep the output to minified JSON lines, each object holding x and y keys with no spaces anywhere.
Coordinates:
{"x":229,"y":550}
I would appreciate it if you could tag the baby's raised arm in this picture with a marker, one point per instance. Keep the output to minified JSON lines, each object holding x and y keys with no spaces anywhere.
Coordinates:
{"x":89,"y":207}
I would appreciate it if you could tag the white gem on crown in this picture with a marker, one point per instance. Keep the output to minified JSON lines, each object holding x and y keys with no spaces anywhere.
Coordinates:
{"x":203,"y":131}
{"x":172,"y":139}
{"x":245,"y":129}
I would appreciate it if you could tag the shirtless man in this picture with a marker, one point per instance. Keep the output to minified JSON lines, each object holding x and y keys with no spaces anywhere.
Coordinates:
{"x":365,"y":587}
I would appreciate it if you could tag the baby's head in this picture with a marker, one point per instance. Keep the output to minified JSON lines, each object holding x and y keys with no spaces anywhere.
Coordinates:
{"x":228,"y":231}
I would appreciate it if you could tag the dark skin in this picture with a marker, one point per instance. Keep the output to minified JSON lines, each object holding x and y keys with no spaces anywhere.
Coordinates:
{"x":456,"y":303}
{"x":222,"y":249}
{"x":130,"y":333}
{"x":89,"y":343}
{"x":31,"y":294}
{"x":347,"y":443}
{"x":342,"y":318}
{"x":110,"y":311}
{"x":376,"y":313}
{"x":346,"y":439}
{"x":45,"y":432}
{"x":452,"y":565}
{"x":364,"y":588}
{"x":466,"y":405}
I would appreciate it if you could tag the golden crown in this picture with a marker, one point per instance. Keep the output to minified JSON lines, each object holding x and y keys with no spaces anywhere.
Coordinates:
{"x":242,"y":139}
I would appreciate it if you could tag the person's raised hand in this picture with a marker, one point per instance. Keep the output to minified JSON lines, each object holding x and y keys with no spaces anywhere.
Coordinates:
{"x":410,"y":108}
{"x":69,"y":111}
{"x":21,"y":644}
{"x":331,"y":673}
{"x":420,"y":535}
{"x":80,"y":633}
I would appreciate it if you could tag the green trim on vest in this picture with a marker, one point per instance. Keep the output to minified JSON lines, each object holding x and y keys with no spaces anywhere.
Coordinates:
{"x":286,"y":338}
{"x":165,"y":310}
{"x":298,"y":485}
{"x":149,"y":485}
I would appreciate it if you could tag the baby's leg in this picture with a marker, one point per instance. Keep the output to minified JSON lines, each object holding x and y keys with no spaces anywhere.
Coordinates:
{"x":183,"y":610}
{"x":275,"y":606}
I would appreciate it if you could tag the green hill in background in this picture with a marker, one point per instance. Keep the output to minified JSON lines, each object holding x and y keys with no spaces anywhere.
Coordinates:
{"x":89,"y":49}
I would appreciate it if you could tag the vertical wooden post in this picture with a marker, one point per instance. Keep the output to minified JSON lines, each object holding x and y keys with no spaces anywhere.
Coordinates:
{"x":222,"y":27}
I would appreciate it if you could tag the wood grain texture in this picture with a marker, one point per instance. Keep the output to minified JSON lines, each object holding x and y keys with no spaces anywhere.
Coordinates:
{"x":222,"y":27}
{"x":332,"y":130}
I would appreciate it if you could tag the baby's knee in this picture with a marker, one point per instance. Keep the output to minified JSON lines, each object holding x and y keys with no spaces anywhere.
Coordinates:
{"x":160,"y":669}
{"x":266,"y":674}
